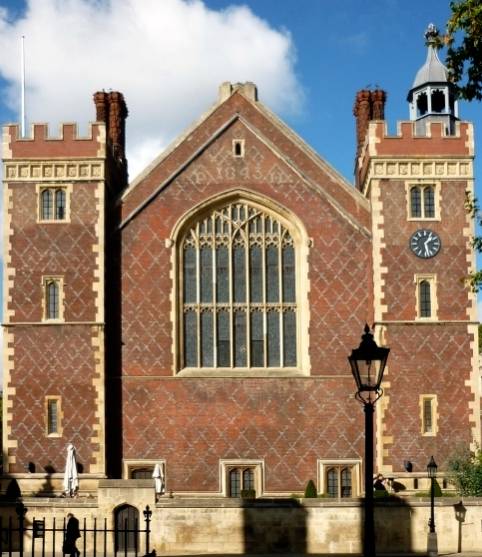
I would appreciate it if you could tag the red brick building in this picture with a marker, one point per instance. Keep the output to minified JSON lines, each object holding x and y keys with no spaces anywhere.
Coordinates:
{"x":201,"y":316}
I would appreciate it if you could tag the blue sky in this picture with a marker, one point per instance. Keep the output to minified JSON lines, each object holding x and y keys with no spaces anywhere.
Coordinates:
{"x":308,"y":57}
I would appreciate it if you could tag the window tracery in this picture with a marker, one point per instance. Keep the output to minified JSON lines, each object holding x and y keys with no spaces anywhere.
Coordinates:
{"x":238,"y":306}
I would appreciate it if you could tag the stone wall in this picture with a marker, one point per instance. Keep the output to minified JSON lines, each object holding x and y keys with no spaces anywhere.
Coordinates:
{"x":223,"y":525}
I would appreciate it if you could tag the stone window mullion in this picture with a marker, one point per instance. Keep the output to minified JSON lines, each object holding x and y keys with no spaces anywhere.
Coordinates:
{"x":263,"y":274}
{"x":247,"y":245}
{"x":212,"y":219}
{"x":238,"y":297}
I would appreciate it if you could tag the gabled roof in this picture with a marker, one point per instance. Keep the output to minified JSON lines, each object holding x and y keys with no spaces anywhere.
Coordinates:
{"x":239,"y":102}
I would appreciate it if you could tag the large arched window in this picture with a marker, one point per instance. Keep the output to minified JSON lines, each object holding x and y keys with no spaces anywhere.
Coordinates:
{"x":238,"y":304}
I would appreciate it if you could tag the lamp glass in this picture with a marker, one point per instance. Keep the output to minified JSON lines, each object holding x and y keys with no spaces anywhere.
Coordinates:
{"x":368,"y":363}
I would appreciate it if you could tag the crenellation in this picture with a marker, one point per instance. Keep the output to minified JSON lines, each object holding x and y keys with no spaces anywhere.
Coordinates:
{"x":68,"y":143}
{"x":409,"y":142}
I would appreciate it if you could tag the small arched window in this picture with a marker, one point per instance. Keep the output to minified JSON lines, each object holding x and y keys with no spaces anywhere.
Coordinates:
{"x":59,"y":204}
{"x":52,"y":299}
{"x":429,"y":202}
{"x":415,"y":202}
{"x":47,"y":206}
{"x":346,"y":482}
{"x":332,"y":482}
{"x":425,"y":300}
{"x":238,"y":302}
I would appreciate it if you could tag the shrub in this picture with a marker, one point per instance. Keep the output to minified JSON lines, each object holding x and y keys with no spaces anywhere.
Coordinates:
{"x":466,"y":469}
{"x":310,"y":490}
{"x":248,"y":494}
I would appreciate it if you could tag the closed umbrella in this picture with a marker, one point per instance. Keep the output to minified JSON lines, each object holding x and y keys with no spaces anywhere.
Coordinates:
{"x":158,"y":475}
{"x":71,"y":478}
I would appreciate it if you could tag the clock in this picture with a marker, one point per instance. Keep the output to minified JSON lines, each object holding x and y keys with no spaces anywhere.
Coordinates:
{"x":425,"y":243}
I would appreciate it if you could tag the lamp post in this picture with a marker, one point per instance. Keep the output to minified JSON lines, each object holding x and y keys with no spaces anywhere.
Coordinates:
{"x":432,"y":549}
{"x":368,"y":363}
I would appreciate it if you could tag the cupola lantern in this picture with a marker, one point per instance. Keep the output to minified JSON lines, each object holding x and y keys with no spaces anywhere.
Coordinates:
{"x":432,"y":96}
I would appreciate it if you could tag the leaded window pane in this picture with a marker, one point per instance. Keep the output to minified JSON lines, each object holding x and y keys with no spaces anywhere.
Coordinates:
{"x":238,"y":302}
{"x":425,"y":303}
{"x":190,"y":339}
{"x":224,"y":358}
{"x":273,"y":339}
{"x":248,"y":478}
{"x":189,"y":275}
{"x":346,"y":482}
{"x":222,"y":274}
{"x":235,"y":482}
{"x":415,"y":202}
{"x":52,"y":301}
{"x":206,"y":275}
{"x":289,"y":338}
{"x":256,"y":274}
{"x":272,"y":276}
{"x":288,"y":274}
{"x":52,"y":418}
{"x":47,"y":204}
{"x":239,"y":274}
{"x":429,"y":202}
{"x":207,"y":339}
{"x":240,"y":355}
{"x":60,"y":204}
{"x":257,"y":344}
{"x":427,"y":415}
{"x":332,"y":482}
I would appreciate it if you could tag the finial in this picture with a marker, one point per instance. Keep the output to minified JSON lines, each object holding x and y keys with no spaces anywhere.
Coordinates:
{"x":431,"y":35}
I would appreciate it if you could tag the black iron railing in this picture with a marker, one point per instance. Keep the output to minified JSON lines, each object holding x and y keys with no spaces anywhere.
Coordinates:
{"x":42,"y":538}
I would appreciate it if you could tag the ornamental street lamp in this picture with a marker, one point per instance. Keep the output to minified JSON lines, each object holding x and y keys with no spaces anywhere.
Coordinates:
{"x":368,"y":363}
{"x":432,"y":549}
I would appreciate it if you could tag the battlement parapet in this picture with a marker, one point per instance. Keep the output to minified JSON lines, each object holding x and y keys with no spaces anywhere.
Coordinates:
{"x":67,"y":144}
{"x":408,"y":142}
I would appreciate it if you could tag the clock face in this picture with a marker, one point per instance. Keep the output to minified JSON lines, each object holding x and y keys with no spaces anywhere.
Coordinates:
{"x":425,"y":243}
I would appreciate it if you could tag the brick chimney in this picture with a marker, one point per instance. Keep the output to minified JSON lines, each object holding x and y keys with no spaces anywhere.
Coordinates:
{"x":112,"y":110}
{"x":369,"y":105}
{"x":362,"y":112}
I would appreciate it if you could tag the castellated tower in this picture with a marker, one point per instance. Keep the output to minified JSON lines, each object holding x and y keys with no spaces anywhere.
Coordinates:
{"x":56,"y":201}
{"x":416,"y":182}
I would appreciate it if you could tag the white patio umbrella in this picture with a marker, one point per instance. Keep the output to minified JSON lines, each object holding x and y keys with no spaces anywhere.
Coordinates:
{"x":158,"y":475}
{"x":71,"y":478}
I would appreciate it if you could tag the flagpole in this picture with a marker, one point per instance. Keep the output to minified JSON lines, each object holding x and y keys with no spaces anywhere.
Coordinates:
{"x":23,"y":86}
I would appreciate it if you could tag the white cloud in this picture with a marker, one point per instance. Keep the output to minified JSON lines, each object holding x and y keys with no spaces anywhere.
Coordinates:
{"x":167,"y":57}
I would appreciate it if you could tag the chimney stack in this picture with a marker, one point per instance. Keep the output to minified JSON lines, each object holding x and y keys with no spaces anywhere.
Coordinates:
{"x":369,"y":105}
{"x":112,"y":110}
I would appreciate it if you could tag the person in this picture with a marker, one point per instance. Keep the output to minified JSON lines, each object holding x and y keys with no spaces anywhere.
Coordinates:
{"x":379,"y":483}
{"x":72,"y":534}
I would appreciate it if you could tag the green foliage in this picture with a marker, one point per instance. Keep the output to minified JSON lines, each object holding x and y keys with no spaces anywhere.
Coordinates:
{"x":380,"y":493}
{"x":466,"y":469}
{"x":474,"y":280}
{"x":310,"y":490}
{"x":464,"y":41}
{"x":248,"y":494}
